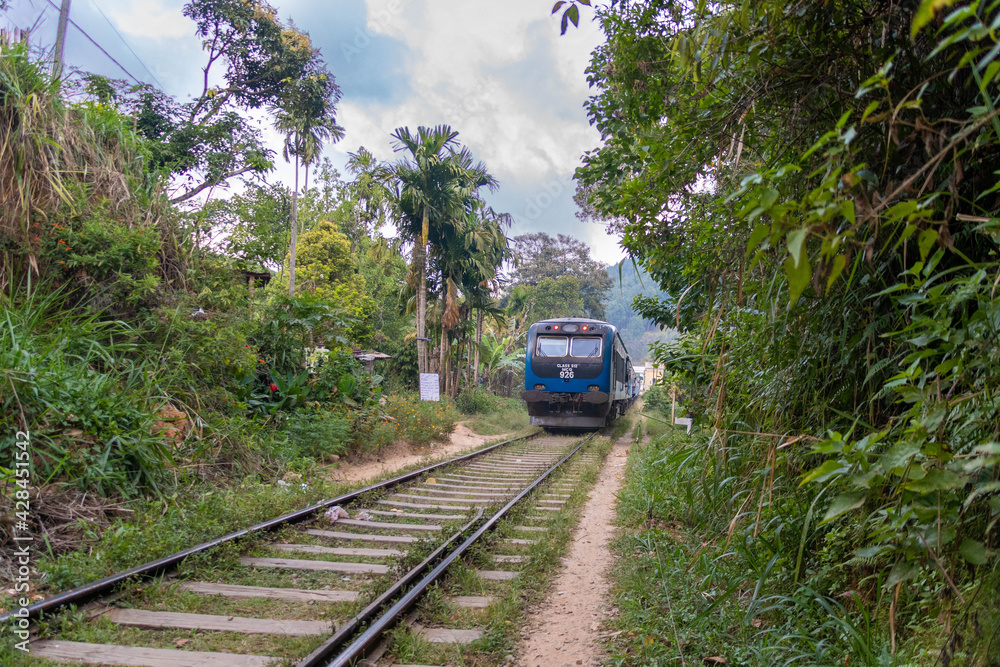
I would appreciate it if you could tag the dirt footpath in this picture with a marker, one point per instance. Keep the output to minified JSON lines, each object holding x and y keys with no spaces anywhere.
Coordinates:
{"x":402,"y":454}
{"x":563,"y":630}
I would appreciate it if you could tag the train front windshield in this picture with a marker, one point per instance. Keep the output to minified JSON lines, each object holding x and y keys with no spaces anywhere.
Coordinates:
{"x":552,"y":346}
{"x":586,"y":347}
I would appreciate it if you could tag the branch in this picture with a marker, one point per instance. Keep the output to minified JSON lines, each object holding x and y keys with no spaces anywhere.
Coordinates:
{"x":211,"y":183}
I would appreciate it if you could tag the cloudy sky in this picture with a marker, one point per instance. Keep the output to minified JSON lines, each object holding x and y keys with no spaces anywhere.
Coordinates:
{"x":498,"y":72}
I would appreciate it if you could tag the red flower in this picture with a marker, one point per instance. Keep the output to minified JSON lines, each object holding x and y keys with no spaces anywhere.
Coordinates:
{"x":274,"y":387}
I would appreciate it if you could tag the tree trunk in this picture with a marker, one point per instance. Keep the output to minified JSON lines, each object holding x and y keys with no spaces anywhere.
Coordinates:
{"x":442,"y":368}
{"x":479,"y":340}
{"x":420,"y":259}
{"x":295,"y":231}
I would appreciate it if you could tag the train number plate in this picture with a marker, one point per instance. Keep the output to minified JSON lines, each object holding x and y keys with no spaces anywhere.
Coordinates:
{"x":566,"y":371}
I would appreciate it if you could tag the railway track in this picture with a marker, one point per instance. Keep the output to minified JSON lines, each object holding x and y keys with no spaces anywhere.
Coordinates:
{"x":322,"y":591}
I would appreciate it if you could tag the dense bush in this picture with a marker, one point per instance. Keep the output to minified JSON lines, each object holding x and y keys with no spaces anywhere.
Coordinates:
{"x":319,"y":434}
{"x":71,"y":381}
{"x":420,"y":422}
{"x":656,"y":398}
{"x":475,"y":401}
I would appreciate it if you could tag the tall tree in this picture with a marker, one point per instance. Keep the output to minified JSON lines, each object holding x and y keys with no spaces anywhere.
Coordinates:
{"x":253,"y":61}
{"x":432,"y":189}
{"x":468,"y":258}
{"x":370,"y":199}
{"x":307,"y":120}
{"x":541,"y":256}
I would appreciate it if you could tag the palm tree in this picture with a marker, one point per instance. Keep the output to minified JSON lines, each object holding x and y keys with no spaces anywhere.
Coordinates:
{"x":498,"y":354}
{"x":486,"y":249}
{"x":307,"y":122}
{"x":435,"y":189}
{"x":372,"y":201}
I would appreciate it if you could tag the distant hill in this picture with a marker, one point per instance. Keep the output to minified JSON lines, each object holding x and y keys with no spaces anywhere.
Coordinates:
{"x":636,"y":333}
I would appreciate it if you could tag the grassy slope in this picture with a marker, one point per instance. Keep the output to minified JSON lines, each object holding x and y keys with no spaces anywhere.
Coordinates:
{"x":691,"y":594}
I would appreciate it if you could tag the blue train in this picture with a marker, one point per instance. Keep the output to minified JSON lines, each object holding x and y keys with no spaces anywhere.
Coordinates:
{"x":577,"y":374}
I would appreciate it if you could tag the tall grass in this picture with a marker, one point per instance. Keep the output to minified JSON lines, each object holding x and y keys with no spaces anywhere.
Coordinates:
{"x":75,"y":383}
{"x":718,"y":560}
{"x":62,"y":158}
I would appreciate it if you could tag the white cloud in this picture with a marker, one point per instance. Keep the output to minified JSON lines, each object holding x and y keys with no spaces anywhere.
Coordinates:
{"x":150,"y":19}
{"x":460,"y":50}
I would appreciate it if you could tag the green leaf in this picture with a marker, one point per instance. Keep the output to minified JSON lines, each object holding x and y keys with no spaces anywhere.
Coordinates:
{"x":991,"y":71}
{"x":759,"y":233}
{"x":822,"y":473}
{"x":574,"y":15}
{"x":768,"y":198}
{"x":871,"y":552}
{"x":899,"y":455}
{"x":847,"y":210}
{"x":839,"y":262}
{"x":798,"y":279}
{"x":843,"y":504}
{"x":925,"y":13}
{"x":935,"y":480}
{"x":870,"y":109}
{"x":796,"y":240}
{"x":902,"y":572}
{"x":926,"y":241}
{"x":973,"y":551}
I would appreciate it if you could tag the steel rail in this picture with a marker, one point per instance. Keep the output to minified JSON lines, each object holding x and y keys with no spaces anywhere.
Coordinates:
{"x":347,"y":629}
{"x":357,"y":648}
{"x":104,"y":586}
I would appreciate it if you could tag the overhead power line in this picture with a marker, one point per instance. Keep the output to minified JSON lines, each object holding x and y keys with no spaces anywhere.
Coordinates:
{"x":148,"y":71}
{"x":99,"y":47}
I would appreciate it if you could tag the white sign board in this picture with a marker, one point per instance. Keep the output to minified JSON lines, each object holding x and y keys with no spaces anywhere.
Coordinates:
{"x":429,"y":387}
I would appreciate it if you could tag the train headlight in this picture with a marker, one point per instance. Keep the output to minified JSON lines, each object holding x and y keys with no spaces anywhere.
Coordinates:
{"x":593,"y":387}
{"x":540,"y":387}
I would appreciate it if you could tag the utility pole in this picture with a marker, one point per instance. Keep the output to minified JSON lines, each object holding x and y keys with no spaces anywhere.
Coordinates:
{"x":60,"y":38}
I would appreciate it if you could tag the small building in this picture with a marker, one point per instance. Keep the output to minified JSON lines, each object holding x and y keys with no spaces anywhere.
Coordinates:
{"x":650,"y":376}
{"x":368,"y":358}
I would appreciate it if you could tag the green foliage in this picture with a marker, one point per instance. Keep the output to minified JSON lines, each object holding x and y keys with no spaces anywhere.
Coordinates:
{"x":256,"y":224}
{"x":628,"y":283}
{"x":325,"y":267}
{"x":656,"y":398}
{"x":199,"y":353}
{"x":574,"y":275}
{"x":830,"y":241}
{"x":474,"y":401}
{"x":120,"y":260}
{"x":556,"y":298}
{"x":61,"y":162}
{"x":499,"y":356}
{"x":402,"y":373}
{"x":291,"y":324}
{"x":264,"y":63}
{"x":419,"y":422}
{"x":69,"y":381}
{"x":492,"y":414}
{"x":339,"y":378}
{"x":318,"y":434}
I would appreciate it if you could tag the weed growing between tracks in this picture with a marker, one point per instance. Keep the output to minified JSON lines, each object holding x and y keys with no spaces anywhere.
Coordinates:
{"x":503,"y":619}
